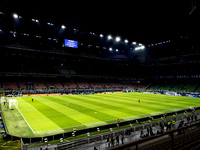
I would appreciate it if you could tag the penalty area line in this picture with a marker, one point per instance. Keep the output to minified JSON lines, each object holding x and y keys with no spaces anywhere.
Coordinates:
{"x":26,"y":121}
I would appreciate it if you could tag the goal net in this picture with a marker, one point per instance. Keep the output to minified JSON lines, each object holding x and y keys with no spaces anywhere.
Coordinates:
{"x":13,"y":102}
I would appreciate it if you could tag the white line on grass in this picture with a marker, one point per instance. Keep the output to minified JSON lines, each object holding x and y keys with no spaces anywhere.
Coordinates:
{"x":26,"y":121}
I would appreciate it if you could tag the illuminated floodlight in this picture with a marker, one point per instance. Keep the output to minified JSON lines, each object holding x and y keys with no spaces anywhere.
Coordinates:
{"x":109,"y":37}
{"x":63,"y":26}
{"x":101,"y":35}
{"x":126,"y":41}
{"x":15,"y":16}
{"x":117,"y":39}
{"x":117,"y":50}
{"x":36,"y":20}
{"x":134,"y":43}
{"x":110,"y":49}
{"x":142,"y":47}
{"x":137,"y":48}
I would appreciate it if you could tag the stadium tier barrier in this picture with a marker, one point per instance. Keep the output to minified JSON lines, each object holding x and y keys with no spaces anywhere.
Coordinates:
{"x":27,"y":140}
{"x":56,"y":94}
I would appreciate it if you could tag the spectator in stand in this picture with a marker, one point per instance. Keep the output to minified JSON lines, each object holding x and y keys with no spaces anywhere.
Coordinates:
{"x":112,"y":142}
{"x":188,"y":119}
{"x":122,"y":138}
{"x":161,"y":127}
{"x":117,"y":140}
{"x":195,"y":117}
{"x":173,"y":123}
{"x":147,"y":131}
{"x":150,"y":129}
{"x":108,"y":142}
{"x":168,"y":125}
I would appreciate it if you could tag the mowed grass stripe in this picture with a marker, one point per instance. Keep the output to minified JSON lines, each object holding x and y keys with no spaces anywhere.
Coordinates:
{"x":86,"y":108}
{"x":108,"y":110}
{"x":134,"y":107}
{"x":164,"y":100}
{"x":110,"y":103}
{"x":35,"y":118}
{"x":71,"y":112}
{"x":55,"y":116}
{"x":174,"y":101}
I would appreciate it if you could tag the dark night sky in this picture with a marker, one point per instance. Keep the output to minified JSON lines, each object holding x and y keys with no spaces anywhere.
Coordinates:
{"x":142,"y":20}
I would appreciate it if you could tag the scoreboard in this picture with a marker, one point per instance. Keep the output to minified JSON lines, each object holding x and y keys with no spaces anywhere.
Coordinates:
{"x":71,"y":43}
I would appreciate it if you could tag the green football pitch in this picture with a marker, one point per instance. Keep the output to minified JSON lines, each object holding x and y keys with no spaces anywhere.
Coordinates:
{"x":50,"y":115}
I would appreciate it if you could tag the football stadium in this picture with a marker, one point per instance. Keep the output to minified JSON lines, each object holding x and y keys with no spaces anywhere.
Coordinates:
{"x":116,"y":77}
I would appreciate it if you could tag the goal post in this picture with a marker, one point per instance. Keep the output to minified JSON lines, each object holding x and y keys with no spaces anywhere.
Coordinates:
{"x":13,"y":102}
{"x":3,"y":99}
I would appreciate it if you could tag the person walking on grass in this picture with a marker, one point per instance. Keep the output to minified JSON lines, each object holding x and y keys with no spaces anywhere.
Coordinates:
{"x":165,"y":115}
{"x":32,"y":99}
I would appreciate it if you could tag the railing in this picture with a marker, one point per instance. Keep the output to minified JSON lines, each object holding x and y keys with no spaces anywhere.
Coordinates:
{"x":172,"y":140}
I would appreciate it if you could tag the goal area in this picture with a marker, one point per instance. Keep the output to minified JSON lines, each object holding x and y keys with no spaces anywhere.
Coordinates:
{"x":13,"y":102}
{"x":3,"y":99}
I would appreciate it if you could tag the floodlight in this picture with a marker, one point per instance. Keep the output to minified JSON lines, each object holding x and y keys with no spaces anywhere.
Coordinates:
{"x":109,"y":37}
{"x":117,"y":50}
{"x":126,"y":41}
{"x":63,"y":27}
{"x":110,"y":49}
{"x":134,"y":43}
{"x":15,"y":16}
{"x":117,"y":39}
{"x":101,"y":35}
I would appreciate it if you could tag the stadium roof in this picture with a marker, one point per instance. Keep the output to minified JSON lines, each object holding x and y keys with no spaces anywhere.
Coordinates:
{"x":143,"y":21}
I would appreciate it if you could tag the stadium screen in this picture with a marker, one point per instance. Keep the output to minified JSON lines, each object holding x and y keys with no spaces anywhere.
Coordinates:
{"x":71,"y":43}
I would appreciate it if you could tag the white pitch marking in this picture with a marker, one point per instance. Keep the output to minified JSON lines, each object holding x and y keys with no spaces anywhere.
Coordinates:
{"x":26,"y":121}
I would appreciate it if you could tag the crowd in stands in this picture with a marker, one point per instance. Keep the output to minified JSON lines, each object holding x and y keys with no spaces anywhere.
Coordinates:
{"x":175,"y":85}
{"x":46,"y":83}
{"x":17,"y":83}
